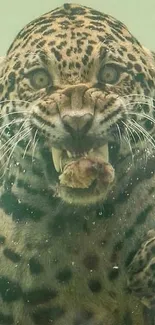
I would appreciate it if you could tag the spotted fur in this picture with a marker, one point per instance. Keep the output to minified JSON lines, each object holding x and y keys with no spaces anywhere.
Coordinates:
{"x":62,"y":262}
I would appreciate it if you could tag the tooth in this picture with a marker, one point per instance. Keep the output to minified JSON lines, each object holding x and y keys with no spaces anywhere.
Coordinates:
{"x":61,"y":169}
{"x":102,"y":152}
{"x":56,"y":155}
{"x":69,"y":154}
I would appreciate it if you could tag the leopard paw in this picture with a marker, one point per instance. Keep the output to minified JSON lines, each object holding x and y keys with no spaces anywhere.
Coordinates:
{"x":141,"y":271}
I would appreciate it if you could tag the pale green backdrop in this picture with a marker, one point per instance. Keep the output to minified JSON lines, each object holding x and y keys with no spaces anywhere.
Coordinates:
{"x":138,"y":15}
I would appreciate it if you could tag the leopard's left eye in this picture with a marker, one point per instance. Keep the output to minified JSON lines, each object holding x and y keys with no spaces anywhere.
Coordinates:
{"x":109,"y":74}
{"x":39,"y":78}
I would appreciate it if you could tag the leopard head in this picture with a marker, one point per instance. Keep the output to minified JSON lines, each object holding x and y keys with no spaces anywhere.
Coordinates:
{"x":76,"y":83}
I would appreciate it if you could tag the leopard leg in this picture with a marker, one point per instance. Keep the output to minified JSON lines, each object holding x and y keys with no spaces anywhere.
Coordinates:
{"x":141,"y":271}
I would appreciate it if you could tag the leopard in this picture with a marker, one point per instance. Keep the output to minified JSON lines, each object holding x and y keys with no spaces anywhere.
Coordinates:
{"x":77,"y":182}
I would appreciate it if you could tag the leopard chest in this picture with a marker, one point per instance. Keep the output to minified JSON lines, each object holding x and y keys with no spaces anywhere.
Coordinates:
{"x":72,"y":268}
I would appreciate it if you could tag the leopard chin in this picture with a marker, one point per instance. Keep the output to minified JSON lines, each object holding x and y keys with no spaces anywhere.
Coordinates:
{"x":84,"y":178}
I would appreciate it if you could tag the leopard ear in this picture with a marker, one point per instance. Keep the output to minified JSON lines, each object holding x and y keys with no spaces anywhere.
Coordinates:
{"x":152,"y":53}
{"x":2,"y":61}
{"x":151,"y":58}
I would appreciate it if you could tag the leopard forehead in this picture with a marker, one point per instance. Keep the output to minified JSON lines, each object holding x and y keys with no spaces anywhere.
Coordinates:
{"x":74,"y":37}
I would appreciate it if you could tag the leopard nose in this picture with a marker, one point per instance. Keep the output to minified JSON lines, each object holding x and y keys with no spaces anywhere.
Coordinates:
{"x":76,"y":124}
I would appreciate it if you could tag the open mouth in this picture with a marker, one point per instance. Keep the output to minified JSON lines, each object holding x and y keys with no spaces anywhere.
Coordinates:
{"x":85,"y":177}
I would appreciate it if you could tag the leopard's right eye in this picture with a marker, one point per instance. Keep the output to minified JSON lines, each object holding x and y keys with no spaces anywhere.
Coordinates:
{"x":109,"y":74}
{"x":39,"y":78}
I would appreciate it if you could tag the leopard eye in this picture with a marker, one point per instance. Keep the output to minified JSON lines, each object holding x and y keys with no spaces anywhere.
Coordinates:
{"x":39,"y":78}
{"x":109,"y":74}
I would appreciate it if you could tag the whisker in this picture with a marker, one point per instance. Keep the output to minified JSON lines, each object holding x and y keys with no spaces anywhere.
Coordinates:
{"x":132,"y":133}
{"x":138,"y":135}
{"x":128,"y":139}
{"x":10,"y":141}
{"x":14,"y":113}
{"x":14,"y":101}
{"x":146,"y":116}
{"x":21,"y":138}
{"x":119,"y":133}
{"x":140,"y":140}
{"x":146,"y":138}
{"x":143,"y":132}
{"x":14,"y":136}
{"x":34,"y":144}
{"x":3,"y":128}
{"x":141,"y":97}
{"x":12,"y":148}
{"x":26,"y":148}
